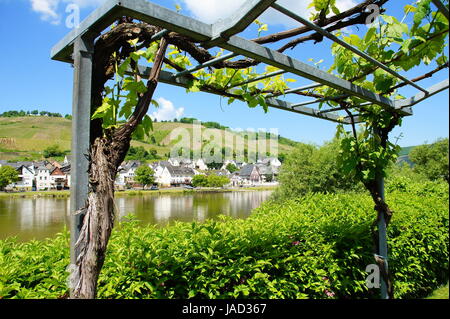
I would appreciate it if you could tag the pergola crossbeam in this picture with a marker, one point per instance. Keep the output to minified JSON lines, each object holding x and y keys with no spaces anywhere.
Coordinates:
{"x":281,"y":61}
{"x":441,"y":8}
{"x":183,"y":81}
{"x":433,"y":90}
{"x":295,"y":90}
{"x":198,"y":31}
{"x":206,"y":64}
{"x":258,"y":78}
{"x":239,"y":21}
{"x":335,"y":39}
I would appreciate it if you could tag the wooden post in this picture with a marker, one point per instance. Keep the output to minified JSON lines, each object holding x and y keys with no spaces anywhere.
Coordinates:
{"x":81,"y":118}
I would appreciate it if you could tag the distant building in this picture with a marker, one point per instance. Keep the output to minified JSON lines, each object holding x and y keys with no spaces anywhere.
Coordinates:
{"x":58,"y":179}
{"x":250,"y":174}
{"x":175,"y":176}
{"x":126,"y":173}
{"x":43,"y":180}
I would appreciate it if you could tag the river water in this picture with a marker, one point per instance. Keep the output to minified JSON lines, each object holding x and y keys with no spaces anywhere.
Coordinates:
{"x":39,"y":218}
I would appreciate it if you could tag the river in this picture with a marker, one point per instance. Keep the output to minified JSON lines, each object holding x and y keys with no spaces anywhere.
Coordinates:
{"x":43,"y":217}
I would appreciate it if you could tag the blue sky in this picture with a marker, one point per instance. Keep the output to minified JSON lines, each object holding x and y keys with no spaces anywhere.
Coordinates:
{"x":31,"y":80}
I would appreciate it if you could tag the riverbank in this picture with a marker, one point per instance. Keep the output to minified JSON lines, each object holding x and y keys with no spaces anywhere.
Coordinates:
{"x":66,"y":193}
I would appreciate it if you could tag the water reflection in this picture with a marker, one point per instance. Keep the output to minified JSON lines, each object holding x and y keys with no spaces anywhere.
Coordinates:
{"x":38,"y":218}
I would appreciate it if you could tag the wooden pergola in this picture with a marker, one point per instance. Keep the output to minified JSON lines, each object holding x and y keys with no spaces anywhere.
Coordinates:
{"x":77,"y":48}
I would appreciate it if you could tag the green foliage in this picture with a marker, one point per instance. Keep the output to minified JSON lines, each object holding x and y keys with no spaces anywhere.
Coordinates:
{"x":209,"y":181}
{"x":141,"y":154}
{"x":44,"y":275}
{"x":53,"y":151}
{"x":314,"y":247}
{"x":8,"y":175}
{"x":200,"y":181}
{"x":400,"y":47}
{"x":144,"y":175}
{"x":431,"y":160}
{"x":312,"y":169}
{"x":188,"y":120}
{"x":214,"y":125}
{"x":217,"y":181}
{"x":232,"y":168}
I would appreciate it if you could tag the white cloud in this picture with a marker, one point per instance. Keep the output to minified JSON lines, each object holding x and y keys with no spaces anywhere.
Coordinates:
{"x":86,"y":3}
{"x":210,"y":11}
{"x":167,"y":111}
{"x":48,"y":9}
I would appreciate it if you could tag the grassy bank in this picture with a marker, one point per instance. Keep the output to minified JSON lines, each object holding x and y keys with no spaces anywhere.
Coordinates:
{"x":59,"y":194}
{"x":65,"y":194}
{"x":441,"y":293}
{"x":314,"y":247}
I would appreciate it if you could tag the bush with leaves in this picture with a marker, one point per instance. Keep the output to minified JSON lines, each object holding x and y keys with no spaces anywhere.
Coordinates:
{"x":8,"y":175}
{"x":53,"y":151}
{"x":431,"y":160}
{"x":314,"y":247}
{"x":309,"y":168}
{"x":144,"y":175}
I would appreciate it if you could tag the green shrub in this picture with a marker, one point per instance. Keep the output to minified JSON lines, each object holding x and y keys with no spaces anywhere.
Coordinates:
{"x":314,"y":247}
{"x":309,"y":168}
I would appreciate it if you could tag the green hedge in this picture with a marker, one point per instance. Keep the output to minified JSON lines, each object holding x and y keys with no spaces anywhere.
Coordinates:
{"x":316,"y":247}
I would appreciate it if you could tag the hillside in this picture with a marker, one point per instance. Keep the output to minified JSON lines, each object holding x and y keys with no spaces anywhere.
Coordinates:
{"x":27,"y":137}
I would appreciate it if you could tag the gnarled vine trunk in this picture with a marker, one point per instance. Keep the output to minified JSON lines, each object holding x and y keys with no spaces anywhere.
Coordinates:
{"x":106,"y":154}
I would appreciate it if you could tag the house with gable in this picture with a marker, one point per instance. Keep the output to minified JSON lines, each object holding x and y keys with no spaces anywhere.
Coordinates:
{"x":250,"y":174}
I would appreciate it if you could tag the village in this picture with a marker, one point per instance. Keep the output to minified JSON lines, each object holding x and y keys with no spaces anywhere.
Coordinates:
{"x":175,"y":172}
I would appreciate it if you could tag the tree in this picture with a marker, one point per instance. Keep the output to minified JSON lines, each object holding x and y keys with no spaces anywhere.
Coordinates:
{"x":431,"y":160}
{"x":200,"y":181}
{"x":217,"y":181}
{"x":232,"y":168}
{"x":309,"y":168}
{"x":144,"y":175}
{"x":53,"y":151}
{"x":8,"y":175}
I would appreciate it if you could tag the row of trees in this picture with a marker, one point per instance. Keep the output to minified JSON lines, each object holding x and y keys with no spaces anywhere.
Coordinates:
{"x":54,"y":151}
{"x":23,"y":113}
{"x":309,"y":168}
{"x":141,"y":154}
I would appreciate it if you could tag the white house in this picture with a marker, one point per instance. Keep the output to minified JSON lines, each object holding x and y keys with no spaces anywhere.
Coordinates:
{"x":43,"y":180}
{"x":26,"y":176}
{"x":200,"y":164}
{"x":272,"y":161}
{"x":250,"y":175}
{"x":172,"y":175}
{"x":126,"y":173}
